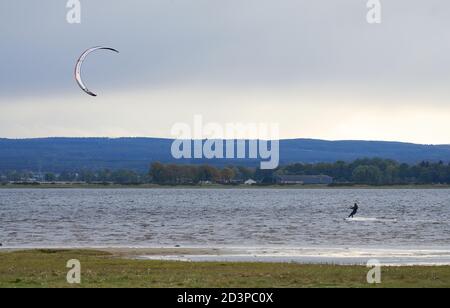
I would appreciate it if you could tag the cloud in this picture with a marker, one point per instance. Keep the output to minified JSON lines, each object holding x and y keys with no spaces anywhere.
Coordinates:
{"x":299,"y":114}
{"x":323,"y":50}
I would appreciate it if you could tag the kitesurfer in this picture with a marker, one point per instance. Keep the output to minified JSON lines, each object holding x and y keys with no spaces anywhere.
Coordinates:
{"x":354,"y":210}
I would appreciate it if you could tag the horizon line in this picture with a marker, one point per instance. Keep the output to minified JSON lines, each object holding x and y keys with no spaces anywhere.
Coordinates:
{"x":170,"y":139}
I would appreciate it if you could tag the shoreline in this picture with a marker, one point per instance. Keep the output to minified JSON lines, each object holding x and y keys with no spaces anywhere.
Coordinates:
{"x":394,"y":257}
{"x":103,"y":269}
{"x":218,"y":186}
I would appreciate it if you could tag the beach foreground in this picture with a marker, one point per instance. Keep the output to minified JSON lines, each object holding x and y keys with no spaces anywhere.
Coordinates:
{"x":115,"y":268}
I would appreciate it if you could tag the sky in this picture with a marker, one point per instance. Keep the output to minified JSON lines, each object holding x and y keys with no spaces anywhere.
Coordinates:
{"x":316,"y":67}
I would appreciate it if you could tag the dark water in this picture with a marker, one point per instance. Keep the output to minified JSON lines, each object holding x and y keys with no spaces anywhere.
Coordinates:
{"x":224,"y":218}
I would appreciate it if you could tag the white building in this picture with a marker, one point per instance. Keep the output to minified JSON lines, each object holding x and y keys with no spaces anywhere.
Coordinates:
{"x":250,"y":182}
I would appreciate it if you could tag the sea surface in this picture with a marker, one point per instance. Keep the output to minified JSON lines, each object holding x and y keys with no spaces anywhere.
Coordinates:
{"x":246,"y":218}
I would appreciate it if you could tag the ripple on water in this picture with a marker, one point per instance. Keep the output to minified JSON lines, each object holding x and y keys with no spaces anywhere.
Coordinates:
{"x":242,"y":218}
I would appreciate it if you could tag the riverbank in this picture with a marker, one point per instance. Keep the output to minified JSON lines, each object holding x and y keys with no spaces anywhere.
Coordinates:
{"x":318,"y":255}
{"x":212,"y":186}
{"x":47,"y":268}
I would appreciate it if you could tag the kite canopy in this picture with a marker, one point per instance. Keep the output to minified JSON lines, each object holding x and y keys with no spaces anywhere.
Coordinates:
{"x":79,"y":65}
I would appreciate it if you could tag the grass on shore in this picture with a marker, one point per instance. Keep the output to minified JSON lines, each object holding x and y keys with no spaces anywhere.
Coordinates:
{"x":47,"y":268}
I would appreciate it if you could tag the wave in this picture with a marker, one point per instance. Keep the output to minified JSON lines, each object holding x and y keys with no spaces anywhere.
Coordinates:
{"x":370,"y":219}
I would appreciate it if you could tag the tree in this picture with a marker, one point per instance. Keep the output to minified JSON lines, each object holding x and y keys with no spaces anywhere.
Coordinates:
{"x":50,"y":177}
{"x":207,"y":173}
{"x":227,"y":175}
{"x":265,"y":176}
{"x":87,"y":176}
{"x":157,"y":172}
{"x":125,"y":177}
{"x":367,"y":175}
{"x":246,"y":173}
{"x":13,"y":176}
{"x":391,"y":174}
{"x":68,"y":176}
{"x":105,"y":175}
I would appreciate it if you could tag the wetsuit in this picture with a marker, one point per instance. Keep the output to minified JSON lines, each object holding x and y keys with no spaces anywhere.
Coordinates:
{"x":355,"y":210}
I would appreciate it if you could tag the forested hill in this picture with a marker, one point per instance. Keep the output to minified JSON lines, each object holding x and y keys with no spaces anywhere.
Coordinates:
{"x":64,"y":154}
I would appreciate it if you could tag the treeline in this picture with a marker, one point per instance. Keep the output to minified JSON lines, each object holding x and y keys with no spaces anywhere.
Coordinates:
{"x":172,"y":174}
{"x":362,"y":171}
{"x":377,"y":172}
{"x":124,"y":177}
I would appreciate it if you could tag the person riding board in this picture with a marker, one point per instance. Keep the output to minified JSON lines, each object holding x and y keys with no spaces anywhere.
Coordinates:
{"x":355,"y":210}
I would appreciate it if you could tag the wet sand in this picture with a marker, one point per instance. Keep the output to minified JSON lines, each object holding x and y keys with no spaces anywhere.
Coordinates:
{"x":335,"y":256}
{"x":338,"y":256}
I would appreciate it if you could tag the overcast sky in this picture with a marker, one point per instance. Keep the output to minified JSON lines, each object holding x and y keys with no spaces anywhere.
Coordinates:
{"x":315,"y":67}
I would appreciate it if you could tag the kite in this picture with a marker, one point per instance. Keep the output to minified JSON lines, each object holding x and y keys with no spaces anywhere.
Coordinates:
{"x":80,"y":61}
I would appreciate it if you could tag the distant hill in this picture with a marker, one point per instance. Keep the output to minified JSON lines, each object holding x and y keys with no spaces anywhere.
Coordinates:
{"x":59,"y":154}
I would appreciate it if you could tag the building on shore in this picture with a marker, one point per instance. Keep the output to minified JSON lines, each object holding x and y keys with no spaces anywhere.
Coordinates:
{"x":304,"y":179}
{"x":250,"y":182}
